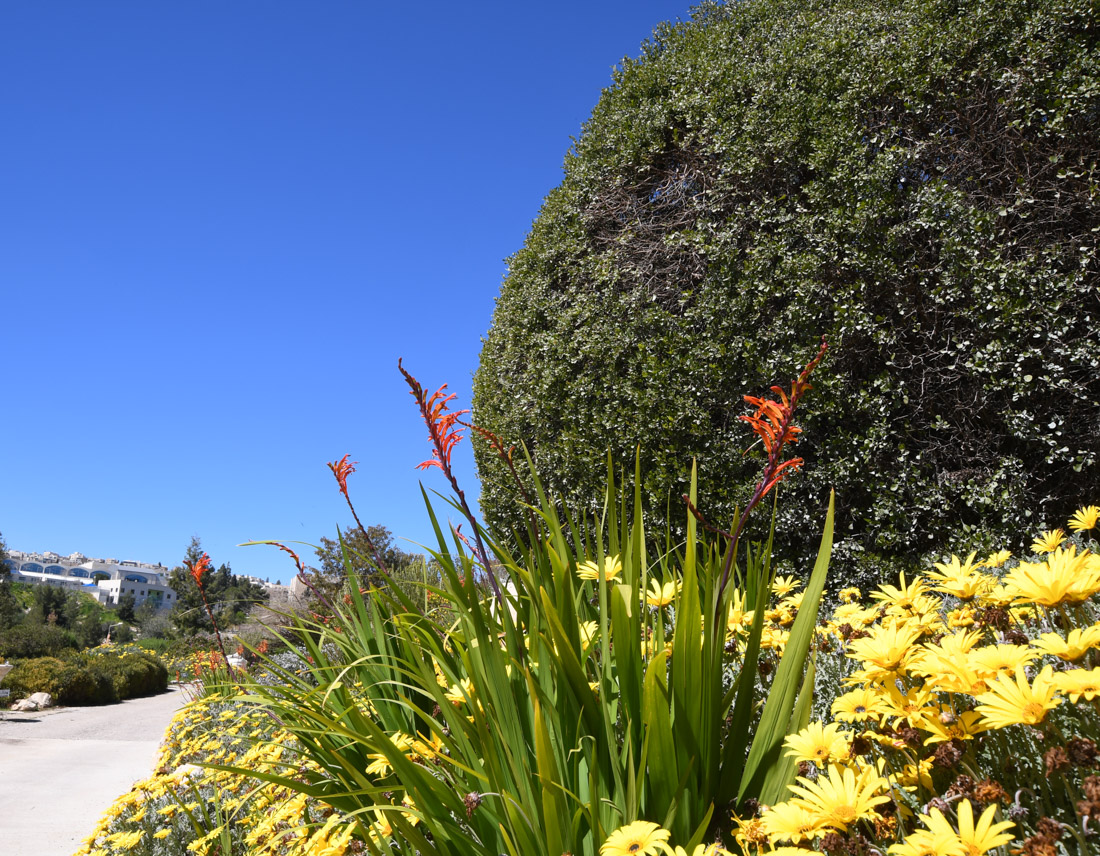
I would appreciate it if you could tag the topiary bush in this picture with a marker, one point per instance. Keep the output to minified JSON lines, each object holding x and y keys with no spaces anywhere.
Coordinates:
{"x":916,"y":180}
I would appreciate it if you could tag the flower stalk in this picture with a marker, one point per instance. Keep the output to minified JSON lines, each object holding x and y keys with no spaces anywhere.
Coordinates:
{"x":444,"y":431}
{"x":198,"y":569}
{"x":773,"y":423}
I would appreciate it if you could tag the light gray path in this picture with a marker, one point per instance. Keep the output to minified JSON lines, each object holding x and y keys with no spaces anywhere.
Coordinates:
{"x":61,"y":769}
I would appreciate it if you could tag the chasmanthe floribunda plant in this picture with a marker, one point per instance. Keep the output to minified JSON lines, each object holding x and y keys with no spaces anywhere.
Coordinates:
{"x":585,"y":679}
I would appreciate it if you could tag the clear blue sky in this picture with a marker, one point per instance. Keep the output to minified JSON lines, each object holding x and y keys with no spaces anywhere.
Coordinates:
{"x":222,"y":223}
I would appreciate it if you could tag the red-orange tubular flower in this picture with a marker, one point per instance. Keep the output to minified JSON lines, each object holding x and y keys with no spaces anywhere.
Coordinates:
{"x":342,"y":469}
{"x":198,"y":568}
{"x":444,"y":428}
{"x":773,"y":423}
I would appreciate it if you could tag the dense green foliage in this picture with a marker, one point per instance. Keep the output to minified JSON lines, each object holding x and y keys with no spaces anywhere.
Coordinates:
{"x":356,"y":556}
{"x":28,"y":640}
{"x":917,"y":180}
{"x":94,"y":677}
{"x":10,"y":610}
{"x":230,"y":597}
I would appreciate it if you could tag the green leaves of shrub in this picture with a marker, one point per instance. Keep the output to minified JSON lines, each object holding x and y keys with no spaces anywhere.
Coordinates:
{"x":916,"y":180}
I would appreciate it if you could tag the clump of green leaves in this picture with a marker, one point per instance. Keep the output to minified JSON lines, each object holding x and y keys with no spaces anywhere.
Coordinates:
{"x":917,"y":180}
{"x":540,"y":719}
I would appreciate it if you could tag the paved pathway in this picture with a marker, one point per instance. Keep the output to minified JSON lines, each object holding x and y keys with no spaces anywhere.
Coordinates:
{"x":61,"y":769}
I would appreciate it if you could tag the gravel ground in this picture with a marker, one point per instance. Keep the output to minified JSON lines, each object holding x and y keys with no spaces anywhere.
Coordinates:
{"x":60,"y":769}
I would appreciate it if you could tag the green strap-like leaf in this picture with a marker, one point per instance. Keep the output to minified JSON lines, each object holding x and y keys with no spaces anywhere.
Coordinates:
{"x":775,"y":720}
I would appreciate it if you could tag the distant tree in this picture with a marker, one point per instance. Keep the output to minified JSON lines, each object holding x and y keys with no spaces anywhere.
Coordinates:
{"x":51,"y":605}
{"x":230,"y":597}
{"x":145,"y":613}
{"x":125,"y":608}
{"x":5,"y":572}
{"x":361,"y":559}
{"x":11,"y":613}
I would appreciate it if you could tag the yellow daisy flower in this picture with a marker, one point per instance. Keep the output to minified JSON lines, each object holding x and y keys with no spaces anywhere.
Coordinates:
{"x":701,"y":850}
{"x":792,"y":821}
{"x":1085,"y":518}
{"x":640,"y":838}
{"x":1079,"y":682}
{"x":916,"y":775}
{"x":995,"y":560}
{"x":947,"y":725}
{"x":841,"y":798}
{"x":889,"y":648}
{"x":739,"y":618}
{"x":956,"y":575}
{"x":380,"y":764}
{"x":860,"y":705}
{"x":1018,"y":702}
{"x":903,"y":596}
{"x":818,"y":743}
{"x":1076,"y":644}
{"x":976,"y":838}
{"x":1048,"y":542}
{"x":588,"y":629}
{"x":921,"y":843}
{"x":995,"y":659}
{"x":461,"y":692}
{"x":662,"y":595}
{"x":590,"y":570}
{"x":964,"y":617}
{"x":1065,"y":577}
{"x":784,"y":585}
{"x":910,"y":707}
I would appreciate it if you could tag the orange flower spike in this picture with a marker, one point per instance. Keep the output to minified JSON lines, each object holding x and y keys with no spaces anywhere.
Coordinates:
{"x":342,"y":469}
{"x":772,"y":423}
{"x":444,"y":428}
{"x":198,"y":568}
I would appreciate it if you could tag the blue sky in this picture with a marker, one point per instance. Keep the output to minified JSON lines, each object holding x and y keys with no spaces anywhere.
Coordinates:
{"x":222,"y":223}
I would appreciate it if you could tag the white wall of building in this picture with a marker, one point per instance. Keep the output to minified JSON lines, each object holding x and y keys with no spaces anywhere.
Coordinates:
{"x":106,"y":579}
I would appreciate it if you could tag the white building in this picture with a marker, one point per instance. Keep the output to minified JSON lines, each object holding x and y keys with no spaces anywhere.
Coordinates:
{"x":105,"y":579}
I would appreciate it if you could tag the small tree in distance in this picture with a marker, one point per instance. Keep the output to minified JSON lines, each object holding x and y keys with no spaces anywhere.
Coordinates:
{"x":230,"y":596}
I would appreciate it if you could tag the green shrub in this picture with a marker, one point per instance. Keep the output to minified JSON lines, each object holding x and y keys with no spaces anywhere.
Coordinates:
{"x":40,"y":675}
{"x":25,"y":641}
{"x":70,"y":682}
{"x":132,"y":673}
{"x":916,"y":180}
{"x":83,"y":684}
{"x":154,"y":645}
{"x":94,"y":677}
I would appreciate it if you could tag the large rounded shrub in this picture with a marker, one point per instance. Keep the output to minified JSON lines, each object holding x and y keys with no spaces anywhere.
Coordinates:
{"x":916,"y":180}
